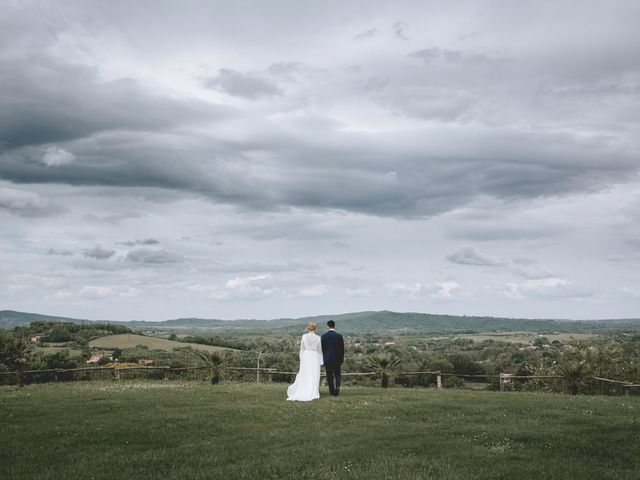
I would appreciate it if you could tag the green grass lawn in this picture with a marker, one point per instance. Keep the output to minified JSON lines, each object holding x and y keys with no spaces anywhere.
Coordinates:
{"x":192,"y":430}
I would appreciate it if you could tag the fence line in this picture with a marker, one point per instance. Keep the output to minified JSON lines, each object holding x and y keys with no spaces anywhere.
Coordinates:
{"x":623,"y":383}
{"x":503,"y":377}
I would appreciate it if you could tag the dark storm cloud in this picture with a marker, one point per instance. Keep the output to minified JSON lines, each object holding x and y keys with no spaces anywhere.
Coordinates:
{"x":356,"y":172}
{"x":44,"y":100}
{"x":482,"y":125}
{"x":240,"y":84}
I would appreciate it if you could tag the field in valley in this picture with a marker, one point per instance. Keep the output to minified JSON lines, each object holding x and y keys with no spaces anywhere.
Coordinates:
{"x":526,"y":337}
{"x":127,"y":340}
{"x":178,"y":430}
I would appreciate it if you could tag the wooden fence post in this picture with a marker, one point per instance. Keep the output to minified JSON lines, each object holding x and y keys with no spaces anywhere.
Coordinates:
{"x":504,"y":379}
{"x":439,"y":380}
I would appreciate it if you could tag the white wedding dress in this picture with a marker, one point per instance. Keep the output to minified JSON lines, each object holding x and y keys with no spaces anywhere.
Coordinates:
{"x":307,"y":384}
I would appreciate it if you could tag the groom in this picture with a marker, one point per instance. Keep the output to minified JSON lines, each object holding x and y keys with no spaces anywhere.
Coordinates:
{"x":333,"y":356}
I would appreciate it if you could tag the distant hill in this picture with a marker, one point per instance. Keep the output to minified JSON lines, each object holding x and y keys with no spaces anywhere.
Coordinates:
{"x":358,"y":322}
{"x":11,"y":318}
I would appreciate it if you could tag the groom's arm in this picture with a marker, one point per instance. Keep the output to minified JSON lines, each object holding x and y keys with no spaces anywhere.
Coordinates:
{"x":341,"y":348}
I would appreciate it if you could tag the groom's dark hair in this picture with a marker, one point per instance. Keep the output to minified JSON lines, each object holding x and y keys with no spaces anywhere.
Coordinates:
{"x":331,"y":324}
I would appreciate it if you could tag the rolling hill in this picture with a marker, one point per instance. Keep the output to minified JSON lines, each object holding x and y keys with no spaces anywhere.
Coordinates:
{"x":11,"y":318}
{"x":358,"y":322}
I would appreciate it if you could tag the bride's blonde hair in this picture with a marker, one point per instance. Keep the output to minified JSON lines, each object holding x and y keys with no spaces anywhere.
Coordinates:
{"x":311,"y":326}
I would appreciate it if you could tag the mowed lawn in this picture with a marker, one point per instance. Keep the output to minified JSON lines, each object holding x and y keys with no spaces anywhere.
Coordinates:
{"x":193,"y":430}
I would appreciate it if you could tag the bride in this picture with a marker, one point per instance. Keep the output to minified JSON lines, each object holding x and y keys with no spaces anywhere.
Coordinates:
{"x":307,"y":384}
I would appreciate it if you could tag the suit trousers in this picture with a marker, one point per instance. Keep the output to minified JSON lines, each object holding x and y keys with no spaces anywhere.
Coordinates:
{"x":333,"y":375}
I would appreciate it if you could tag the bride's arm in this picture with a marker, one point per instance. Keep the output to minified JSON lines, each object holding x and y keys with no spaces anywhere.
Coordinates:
{"x":319,"y":350}
{"x":301,"y":347}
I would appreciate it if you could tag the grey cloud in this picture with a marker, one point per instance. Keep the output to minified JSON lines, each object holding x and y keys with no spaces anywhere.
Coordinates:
{"x":113,"y":219}
{"x":521,"y":267}
{"x":257,"y":267}
{"x":121,"y":135}
{"x":277,"y":226}
{"x":99,"y":253}
{"x":240,"y":84}
{"x":532,"y":272}
{"x":26,"y":203}
{"x":491,"y":231}
{"x":153,"y":257}
{"x":443,"y":55}
{"x":445,"y":104}
{"x":469,"y":255}
{"x":355,"y":172}
{"x":372,"y":32}
{"x":284,"y":69}
{"x":296,"y":72}
{"x":468,"y":36}
{"x":46,"y":101}
{"x":399,"y":30}
{"x":55,"y":251}
{"x":146,"y":241}
{"x":549,"y":288}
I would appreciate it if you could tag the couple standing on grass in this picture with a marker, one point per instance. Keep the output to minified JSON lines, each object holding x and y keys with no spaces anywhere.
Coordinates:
{"x":316,"y":351}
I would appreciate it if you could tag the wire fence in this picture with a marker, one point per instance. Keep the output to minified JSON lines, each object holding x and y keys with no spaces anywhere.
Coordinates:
{"x":436,"y":379}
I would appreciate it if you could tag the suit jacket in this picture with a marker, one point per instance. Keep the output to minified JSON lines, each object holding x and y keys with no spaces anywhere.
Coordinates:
{"x":332,"y":348}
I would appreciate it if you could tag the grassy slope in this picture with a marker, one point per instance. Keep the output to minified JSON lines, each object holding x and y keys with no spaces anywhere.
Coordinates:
{"x":127,"y":340}
{"x":196,"y":431}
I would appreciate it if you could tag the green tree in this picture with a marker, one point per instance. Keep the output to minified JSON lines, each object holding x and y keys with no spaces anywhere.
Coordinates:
{"x":60,"y":360}
{"x":102,"y":361}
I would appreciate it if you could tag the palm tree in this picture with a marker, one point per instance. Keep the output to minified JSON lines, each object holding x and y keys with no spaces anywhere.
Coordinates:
{"x":574,"y":373}
{"x":18,"y":356}
{"x":383,"y":365}
{"x":214,"y":360}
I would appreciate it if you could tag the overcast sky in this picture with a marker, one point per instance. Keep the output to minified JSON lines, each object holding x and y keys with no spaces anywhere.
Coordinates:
{"x":254,"y":159}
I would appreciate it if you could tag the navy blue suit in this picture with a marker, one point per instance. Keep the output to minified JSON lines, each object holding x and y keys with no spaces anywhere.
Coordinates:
{"x":333,"y":356}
